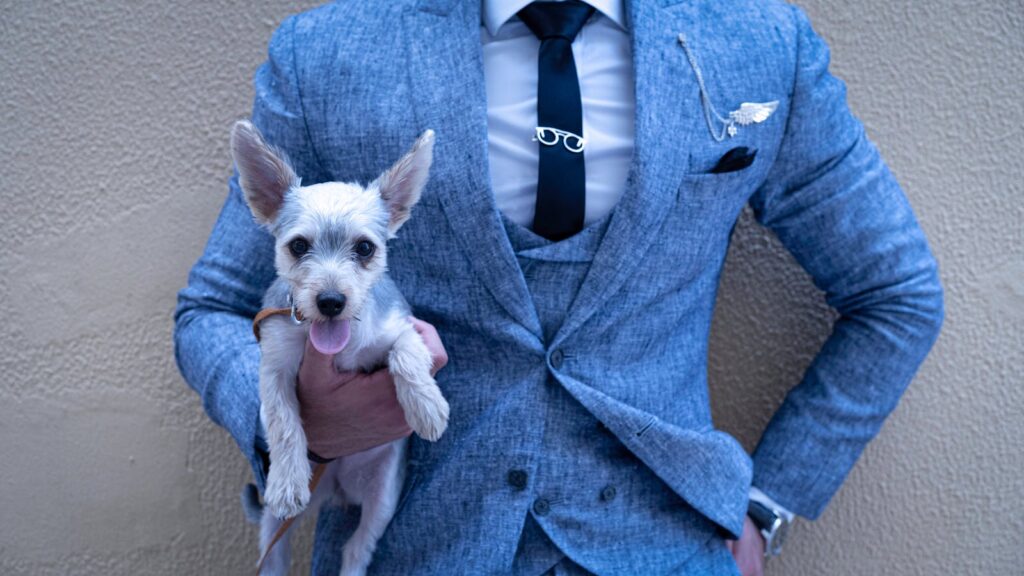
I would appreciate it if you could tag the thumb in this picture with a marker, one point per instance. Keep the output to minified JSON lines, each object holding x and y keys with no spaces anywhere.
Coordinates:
{"x":316,"y":363}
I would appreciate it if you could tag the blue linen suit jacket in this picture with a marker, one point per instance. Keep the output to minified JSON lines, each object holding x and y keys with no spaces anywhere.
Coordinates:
{"x":347,"y":88}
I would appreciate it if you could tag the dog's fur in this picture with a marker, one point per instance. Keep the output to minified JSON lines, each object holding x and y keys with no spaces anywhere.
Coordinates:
{"x":333,"y":218}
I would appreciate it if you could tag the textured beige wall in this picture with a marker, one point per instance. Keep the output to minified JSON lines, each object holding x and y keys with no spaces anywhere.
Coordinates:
{"x":113,"y":161}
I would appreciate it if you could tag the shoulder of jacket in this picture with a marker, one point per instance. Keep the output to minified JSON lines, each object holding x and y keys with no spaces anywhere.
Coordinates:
{"x":778,"y":24}
{"x":343,"y":15}
{"x":756,"y":14}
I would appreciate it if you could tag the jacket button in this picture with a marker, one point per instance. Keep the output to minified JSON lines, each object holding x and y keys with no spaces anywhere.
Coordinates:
{"x":608,"y":493}
{"x":541,"y":507}
{"x":517,"y":479}
{"x":556,"y":358}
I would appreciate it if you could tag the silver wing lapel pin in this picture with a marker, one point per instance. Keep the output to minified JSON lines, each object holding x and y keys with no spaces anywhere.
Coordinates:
{"x":748,"y":113}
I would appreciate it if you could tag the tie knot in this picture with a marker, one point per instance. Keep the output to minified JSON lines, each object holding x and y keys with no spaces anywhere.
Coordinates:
{"x":556,"y":19}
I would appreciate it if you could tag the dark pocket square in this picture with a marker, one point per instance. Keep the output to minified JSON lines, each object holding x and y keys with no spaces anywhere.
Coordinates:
{"x":735,"y":159}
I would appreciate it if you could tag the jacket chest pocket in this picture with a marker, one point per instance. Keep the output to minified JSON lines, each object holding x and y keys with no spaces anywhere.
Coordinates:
{"x":711,"y":201}
{"x":707,"y":206}
{"x":724,"y":172}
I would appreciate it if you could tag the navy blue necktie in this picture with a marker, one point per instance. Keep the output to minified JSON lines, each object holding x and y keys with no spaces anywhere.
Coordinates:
{"x":561,"y":182}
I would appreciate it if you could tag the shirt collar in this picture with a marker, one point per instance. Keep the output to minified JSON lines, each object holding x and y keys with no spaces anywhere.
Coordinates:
{"x":495,"y":13}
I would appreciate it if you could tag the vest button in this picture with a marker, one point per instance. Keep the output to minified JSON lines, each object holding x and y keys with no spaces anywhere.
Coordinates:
{"x":608,"y":493}
{"x":556,"y":358}
{"x":517,"y":479}
{"x":541,"y":507}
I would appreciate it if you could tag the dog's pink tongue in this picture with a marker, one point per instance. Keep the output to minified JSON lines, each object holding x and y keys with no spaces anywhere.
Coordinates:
{"x":329,"y":336}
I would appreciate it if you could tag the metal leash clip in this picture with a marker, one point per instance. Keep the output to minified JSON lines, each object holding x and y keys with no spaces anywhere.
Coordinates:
{"x":295,"y":314}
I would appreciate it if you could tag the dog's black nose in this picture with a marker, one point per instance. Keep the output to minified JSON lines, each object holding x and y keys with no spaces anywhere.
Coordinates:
{"x":330,"y":304}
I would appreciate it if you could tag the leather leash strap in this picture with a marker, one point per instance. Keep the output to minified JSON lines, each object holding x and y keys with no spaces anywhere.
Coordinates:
{"x":267,"y":313}
{"x":318,"y":472}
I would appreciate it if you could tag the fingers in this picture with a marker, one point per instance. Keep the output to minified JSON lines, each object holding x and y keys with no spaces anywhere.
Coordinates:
{"x":317,"y":371}
{"x":313,"y":361}
{"x":433,"y":341}
{"x":358,"y":416}
{"x":380,"y":387}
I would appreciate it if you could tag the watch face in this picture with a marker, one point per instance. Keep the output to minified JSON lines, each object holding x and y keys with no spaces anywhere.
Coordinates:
{"x":779,"y":531}
{"x":772,"y":526}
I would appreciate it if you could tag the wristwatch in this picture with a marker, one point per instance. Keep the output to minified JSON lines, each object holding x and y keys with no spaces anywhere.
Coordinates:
{"x":773,"y":526}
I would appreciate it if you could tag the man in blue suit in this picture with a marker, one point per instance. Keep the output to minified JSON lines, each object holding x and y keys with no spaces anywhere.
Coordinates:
{"x":591,"y":161}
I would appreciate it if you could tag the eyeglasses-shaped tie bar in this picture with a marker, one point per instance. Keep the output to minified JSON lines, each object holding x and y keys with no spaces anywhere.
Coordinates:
{"x":549,"y":136}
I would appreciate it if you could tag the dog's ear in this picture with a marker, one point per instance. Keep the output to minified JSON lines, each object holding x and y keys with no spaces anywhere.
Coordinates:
{"x":402,"y":184}
{"x":264,"y":173}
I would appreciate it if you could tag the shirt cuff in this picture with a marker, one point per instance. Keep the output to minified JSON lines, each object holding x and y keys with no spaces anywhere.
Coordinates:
{"x":762,"y":498}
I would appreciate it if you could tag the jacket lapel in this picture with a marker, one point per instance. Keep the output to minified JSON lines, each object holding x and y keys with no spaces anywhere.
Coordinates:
{"x":667,"y":110}
{"x":446,"y":78}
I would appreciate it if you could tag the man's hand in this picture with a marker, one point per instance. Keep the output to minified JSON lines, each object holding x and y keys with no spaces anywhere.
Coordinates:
{"x":748,"y":550}
{"x":433,"y":342}
{"x":348,"y":412}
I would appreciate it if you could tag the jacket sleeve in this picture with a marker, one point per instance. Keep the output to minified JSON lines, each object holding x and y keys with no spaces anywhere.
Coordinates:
{"x":833,"y":203}
{"x":214,"y":346}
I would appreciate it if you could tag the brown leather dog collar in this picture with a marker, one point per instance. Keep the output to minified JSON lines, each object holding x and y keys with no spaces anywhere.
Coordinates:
{"x":268,"y":312}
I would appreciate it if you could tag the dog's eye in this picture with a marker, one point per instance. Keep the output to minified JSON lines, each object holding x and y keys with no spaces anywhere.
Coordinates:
{"x":298,"y":247}
{"x":364,"y":249}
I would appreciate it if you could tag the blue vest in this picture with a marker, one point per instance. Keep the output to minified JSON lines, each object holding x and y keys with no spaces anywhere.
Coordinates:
{"x":595,"y":487}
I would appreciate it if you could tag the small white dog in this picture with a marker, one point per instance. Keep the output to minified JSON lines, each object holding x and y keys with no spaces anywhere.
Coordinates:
{"x":331,"y":260}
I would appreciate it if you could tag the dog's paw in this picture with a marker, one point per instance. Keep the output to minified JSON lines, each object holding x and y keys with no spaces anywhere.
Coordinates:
{"x":287,"y":495}
{"x":426,"y":410}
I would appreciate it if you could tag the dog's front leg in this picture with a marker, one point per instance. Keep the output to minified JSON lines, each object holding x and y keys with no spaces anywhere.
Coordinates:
{"x":425,"y":408}
{"x":282,"y":346}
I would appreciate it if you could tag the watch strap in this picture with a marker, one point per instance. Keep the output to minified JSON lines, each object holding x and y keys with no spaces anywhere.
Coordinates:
{"x":764,"y":517}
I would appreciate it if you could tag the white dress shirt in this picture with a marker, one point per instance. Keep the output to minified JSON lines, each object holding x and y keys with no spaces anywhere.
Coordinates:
{"x":605,"y":66}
